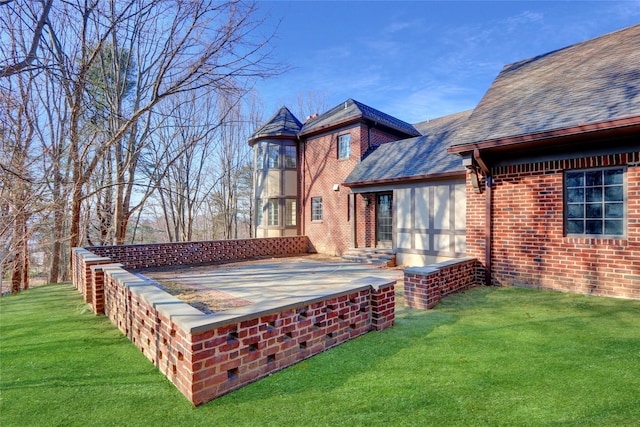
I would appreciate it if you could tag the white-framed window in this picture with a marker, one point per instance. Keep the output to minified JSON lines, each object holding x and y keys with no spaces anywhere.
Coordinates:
{"x":344,"y":146}
{"x":595,"y":202}
{"x":290,"y":156}
{"x":273,"y":154}
{"x":290,"y":212}
{"x":273,"y":212}
{"x":316,"y":209}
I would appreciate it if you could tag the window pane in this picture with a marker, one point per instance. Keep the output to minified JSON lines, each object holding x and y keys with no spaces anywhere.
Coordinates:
{"x":316,"y":209}
{"x":290,"y":212}
{"x":259,"y":157}
{"x":593,"y":178}
{"x":614,"y":210}
{"x":575,"y":195}
{"x":593,"y":227}
{"x":614,"y":227}
{"x":614,"y":194}
{"x":594,"y":194}
{"x":575,"y":211}
{"x":273,"y":212}
{"x":598,"y":197}
{"x":575,"y":227}
{"x":289,"y":157}
{"x":259,"y":214}
{"x":575,"y":179}
{"x":344,"y":146}
{"x":593,"y":210}
{"x":613,"y":176}
{"x":274,"y":156}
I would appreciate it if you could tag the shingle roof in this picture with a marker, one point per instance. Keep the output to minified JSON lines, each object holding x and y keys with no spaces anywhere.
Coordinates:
{"x":595,"y":81}
{"x":414,"y":157}
{"x":281,"y":124}
{"x":353,"y":110}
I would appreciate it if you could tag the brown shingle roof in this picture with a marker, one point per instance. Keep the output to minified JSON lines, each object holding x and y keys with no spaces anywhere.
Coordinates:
{"x":352,"y":110}
{"x":414,"y":158}
{"x":596,"y":81}
{"x":282,"y":124}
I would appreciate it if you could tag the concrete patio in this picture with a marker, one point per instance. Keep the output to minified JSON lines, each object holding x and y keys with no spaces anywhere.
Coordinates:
{"x":268,"y":280}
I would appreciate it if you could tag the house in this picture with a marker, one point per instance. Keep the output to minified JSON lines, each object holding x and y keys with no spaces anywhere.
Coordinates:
{"x":540,"y":182}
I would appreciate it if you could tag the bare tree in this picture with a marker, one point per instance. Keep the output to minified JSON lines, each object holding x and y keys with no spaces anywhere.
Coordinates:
{"x":19,"y":58}
{"x":201,"y":45}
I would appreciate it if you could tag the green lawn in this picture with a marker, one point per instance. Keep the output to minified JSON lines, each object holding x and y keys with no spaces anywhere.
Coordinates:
{"x":489,"y":356}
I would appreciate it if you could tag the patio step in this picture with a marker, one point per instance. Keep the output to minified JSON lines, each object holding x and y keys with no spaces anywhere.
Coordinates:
{"x":376,"y":256}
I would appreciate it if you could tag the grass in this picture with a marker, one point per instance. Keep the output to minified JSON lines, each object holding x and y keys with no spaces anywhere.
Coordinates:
{"x":489,"y":356}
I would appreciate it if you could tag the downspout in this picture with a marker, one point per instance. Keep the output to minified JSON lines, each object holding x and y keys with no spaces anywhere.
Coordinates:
{"x":488,"y":214}
{"x":301,"y":188}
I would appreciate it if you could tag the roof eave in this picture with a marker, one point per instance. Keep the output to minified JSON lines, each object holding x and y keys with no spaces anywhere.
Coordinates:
{"x":257,"y":138}
{"x":612,"y":127}
{"x":406,"y":179}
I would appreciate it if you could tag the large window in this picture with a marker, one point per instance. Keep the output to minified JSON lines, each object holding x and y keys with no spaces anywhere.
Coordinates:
{"x":290,"y":212}
{"x":595,"y":202}
{"x":316,"y":209}
{"x":289,"y":157}
{"x":344,"y":146}
{"x":273,"y":153}
{"x":273,"y":212}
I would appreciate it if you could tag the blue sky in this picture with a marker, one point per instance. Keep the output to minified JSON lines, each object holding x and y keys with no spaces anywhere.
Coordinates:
{"x":422,"y":59}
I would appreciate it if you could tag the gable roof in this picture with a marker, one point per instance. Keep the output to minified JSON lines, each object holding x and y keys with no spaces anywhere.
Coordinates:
{"x":282,"y":124}
{"x":415,"y":158}
{"x":354,"y":111}
{"x":566,"y":91}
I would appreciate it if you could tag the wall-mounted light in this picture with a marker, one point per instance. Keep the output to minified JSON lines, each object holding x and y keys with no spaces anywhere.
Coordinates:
{"x":367,"y":200}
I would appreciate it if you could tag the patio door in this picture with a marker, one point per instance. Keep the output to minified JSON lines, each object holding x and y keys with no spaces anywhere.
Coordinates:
{"x":384,"y":222}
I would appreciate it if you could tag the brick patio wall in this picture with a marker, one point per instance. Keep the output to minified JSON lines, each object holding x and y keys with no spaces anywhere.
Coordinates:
{"x":189,"y":253}
{"x":424,"y":286}
{"x":206,"y":356}
{"x":170,"y":254}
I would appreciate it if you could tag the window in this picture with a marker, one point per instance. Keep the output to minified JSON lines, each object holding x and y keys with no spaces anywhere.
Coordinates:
{"x":273,"y":212}
{"x":290,"y":212}
{"x":316,"y":209}
{"x":273,"y":153}
{"x":344,"y":146}
{"x":595,"y":202}
{"x":289,"y":157}
{"x":259,"y":214}
{"x":259,"y":157}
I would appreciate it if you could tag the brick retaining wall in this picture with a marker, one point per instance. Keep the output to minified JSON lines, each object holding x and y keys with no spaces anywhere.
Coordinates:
{"x":424,"y":286}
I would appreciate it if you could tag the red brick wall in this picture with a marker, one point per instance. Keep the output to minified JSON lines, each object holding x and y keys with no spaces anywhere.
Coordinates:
{"x":529,"y":247}
{"x":424,"y":286}
{"x":321,"y":169}
{"x":207,"y":357}
{"x":365,"y":220}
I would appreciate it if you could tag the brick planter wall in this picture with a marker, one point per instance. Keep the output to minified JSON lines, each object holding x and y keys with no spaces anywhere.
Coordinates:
{"x":424,"y":286}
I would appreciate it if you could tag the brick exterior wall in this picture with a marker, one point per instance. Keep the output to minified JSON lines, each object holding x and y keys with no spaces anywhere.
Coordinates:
{"x":188,"y":253}
{"x":529,"y":247}
{"x":321,"y":170}
{"x":425,"y":286}
{"x":207,"y":356}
